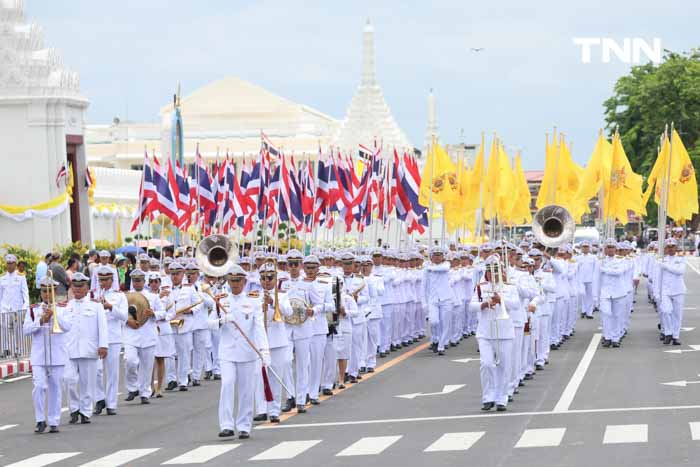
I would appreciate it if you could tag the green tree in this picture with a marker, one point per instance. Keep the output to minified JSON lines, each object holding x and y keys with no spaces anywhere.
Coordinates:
{"x":650,"y":97}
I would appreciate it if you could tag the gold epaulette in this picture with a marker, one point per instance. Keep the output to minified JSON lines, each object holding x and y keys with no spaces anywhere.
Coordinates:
{"x":254,"y":293}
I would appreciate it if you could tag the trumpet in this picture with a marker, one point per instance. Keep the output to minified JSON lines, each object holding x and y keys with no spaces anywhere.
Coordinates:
{"x":55,"y":328}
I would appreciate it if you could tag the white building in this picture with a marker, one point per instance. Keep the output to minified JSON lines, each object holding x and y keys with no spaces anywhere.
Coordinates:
{"x":41,"y":130}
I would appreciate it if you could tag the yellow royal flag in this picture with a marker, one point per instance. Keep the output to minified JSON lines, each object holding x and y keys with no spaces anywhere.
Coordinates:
{"x":561,"y":175}
{"x":499,"y":180}
{"x":438,"y":176}
{"x":624,"y":192}
{"x":473,"y":191}
{"x":521,"y":208}
{"x":595,"y":176}
{"x":456,"y":212}
{"x":547,"y":192}
{"x":682,"y":185}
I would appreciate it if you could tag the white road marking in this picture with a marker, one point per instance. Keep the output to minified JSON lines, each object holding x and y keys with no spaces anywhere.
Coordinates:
{"x":541,"y":437}
{"x":44,"y":459}
{"x":689,"y":263}
{"x":120,"y":458}
{"x":447,"y":389}
{"x":693,"y":348}
{"x":6,"y":427}
{"x":695,"y":431}
{"x":569,"y":393}
{"x":16,"y":378}
{"x":688,"y":329}
{"x":466,"y":360}
{"x":369,"y":446}
{"x":286,"y":450}
{"x":455,"y":441}
{"x":474,"y":416}
{"x":202,"y":454}
{"x":680,"y":384}
{"x":618,"y":434}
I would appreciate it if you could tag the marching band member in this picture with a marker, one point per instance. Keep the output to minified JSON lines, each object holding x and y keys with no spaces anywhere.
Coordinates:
{"x":214,"y":334}
{"x":165,"y":346}
{"x":116,"y":313}
{"x":88,"y":340}
{"x":241,"y":319}
{"x":356,"y":286}
{"x":320,"y":299}
{"x":201,"y":337}
{"x":545,"y":279}
{"x":14,"y":294}
{"x":140,"y":342}
{"x":183,"y":299}
{"x":586,"y":270}
{"x":48,"y":356}
{"x":343,"y":340}
{"x":672,"y":292}
{"x":104,"y":257}
{"x":438,"y":298}
{"x":376,"y":290}
{"x":612,"y":292}
{"x":560,"y":268}
{"x":388,"y":274}
{"x":495,"y":334}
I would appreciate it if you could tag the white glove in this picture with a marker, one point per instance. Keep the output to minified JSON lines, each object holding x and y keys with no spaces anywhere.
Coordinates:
{"x":226,"y":318}
{"x":267,"y":359}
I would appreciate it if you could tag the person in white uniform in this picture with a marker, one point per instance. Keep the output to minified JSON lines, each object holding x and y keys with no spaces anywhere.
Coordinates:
{"x":612,"y":292}
{"x":437,"y":297}
{"x":88,"y":340}
{"x":375,"y":285}
{"x":14,"y":294}
{"x":586,"y":270}
{"x":201,"y":336}
{"x":104,"y":261}
{"x":241,"y":325}
{"x":48,"y":356}
{"x":672,"y":292}
{"x":356,"y":286}
{"x":116,"y":312}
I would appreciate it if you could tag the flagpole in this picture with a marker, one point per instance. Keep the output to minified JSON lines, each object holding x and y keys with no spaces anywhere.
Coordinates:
{"x":143,"y":177}
{"x":430,"y":201}
{"x":664,"y":194}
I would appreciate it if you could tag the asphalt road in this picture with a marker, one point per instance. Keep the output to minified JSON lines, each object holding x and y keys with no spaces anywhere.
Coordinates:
{"x":615,"y":411}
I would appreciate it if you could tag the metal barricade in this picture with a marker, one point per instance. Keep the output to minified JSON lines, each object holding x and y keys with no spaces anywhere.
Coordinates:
{"x":13,"y":343}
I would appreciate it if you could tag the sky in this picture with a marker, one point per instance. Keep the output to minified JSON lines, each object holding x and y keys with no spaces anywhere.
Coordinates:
{"x":528,"y":78}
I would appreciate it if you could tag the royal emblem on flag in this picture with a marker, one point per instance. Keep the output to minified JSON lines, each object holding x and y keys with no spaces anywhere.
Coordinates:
{"x":686,"y":173}
{"x":617,"y":178}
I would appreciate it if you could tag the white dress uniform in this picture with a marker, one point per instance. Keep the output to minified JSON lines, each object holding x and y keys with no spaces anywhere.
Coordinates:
{"x":560,"y":310}
{"x":495,"y":337}
{"x":140,"y":348}
{"x":548,"y":285}
{"x":300,"y":335}
{"x":14,"y":295}
{"x":279,"y":355}
{"x":387,"y":274}
{"x":214,"y":335}
{"x":48,"y":358}
{"x":374,"y":328}
{"x":571,"y":316}
{"x":108,"y":385}
{"x":238,"y":359}
{"x":437,"y":298}
{"x":343,"y":340}
{"x":183,"y":296}
{"x":165,"y":347}
{"x":586,"y":272}
{"x":88,"y":333}
{"x":612,"y":292}
{"x":672,"y":292}
{"x":201,"y":337}
{"x":322,"y":302}
{"x":95,"y":284}
{"x":352,"y":284}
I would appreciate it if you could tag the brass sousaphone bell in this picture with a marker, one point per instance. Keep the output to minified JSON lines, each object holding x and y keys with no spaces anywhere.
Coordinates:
{"x":553,"y":225}
{"x":216,"y":254}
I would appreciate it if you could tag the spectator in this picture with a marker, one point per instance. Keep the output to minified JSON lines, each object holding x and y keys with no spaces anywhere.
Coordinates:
{"x":73,"y":267}
{"x":41,"y":269}
{"x":91,"y":263}
{"x":22,"y":268}
{"x":59,"y":275}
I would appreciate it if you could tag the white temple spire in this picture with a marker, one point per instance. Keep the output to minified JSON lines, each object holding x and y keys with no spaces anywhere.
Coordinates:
{"x":432,"y":129}
{"x":369,"y":77}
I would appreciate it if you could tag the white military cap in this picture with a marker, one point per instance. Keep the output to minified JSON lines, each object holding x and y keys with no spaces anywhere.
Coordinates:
{"x":104,"y":254}
{"x":311,"y":259}
{"x":104,"y":271}
{"x":176,"y":267}
{"x":245,"y":260}
{"x":167,"y":260}
{"x":677,"y":229}
{"x":267,"y":267}
{"x":10,"y":258}
{"x":282,"y":259}
{"x":492,"y":260}
{"x":534,"y":252}
{"x":46,"y":281}
{"x":610,"y":242}
{"x":529,"y":261}
{"x":153,"y":275}
{"x":524,"y":243}
{"x":294,"y":254}
{"x":137,"y":273}
{"x":236,"y":270}
{"x":671,"y":242}
{"x":79,"y":278}
{"x":347,"y":256}
{"x":192,"y":266}
{"x":144,"y":257}
{"x":585,"y":243}
{"x":437,"y":250}
{"x":154,"y":262}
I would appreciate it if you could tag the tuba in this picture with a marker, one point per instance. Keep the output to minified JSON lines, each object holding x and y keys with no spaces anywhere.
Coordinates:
{"x":553,"y":225}
{"x":216,"y":254}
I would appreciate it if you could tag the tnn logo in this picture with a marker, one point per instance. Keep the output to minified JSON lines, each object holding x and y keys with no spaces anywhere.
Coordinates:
{"x":629,"y":52}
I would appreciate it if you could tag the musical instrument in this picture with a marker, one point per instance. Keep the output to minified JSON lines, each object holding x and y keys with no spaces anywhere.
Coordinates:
{"x":298,"y":315}
{"x":334,"y":318}
{"x":553,"y":225}
{"x":277,"y":315}
{"x":55,"y":328}
{"x":216,"y":254}
{"x":138,"y":304}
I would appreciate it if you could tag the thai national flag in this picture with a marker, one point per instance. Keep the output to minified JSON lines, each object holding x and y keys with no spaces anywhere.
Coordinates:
{"x":184,"y":204}
{"x":148,"y":195}
{"x":202,"y":185}
{"x":166,"y":193}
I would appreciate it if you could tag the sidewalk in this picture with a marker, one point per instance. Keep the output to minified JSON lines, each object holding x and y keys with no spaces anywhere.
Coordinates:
{"x":9,"y":367}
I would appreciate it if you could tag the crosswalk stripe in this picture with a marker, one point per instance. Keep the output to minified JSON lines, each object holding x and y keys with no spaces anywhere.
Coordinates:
{"x":202,"y":454}
{"x":286,"y":450}
{"x":618,"y":434}
{"x":120,"y":458}
{"x":6,"y":427}
{"x":541,"y":437}
{"x":44,"y":459}
{"x":369,"y":446}
{"x":695,"y":431}
{"x":455,"y":441}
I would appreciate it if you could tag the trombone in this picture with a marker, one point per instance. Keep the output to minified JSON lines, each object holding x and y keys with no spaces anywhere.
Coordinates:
{"x":55,"y":326}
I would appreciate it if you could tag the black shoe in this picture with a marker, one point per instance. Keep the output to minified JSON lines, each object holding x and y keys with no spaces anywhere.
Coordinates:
{"x":487,"y":406}
{"x":521,"y":384}
{"x":341,"y":386}
{"x":500,"y":408}
{"x":510,"y":398}
{"x":676,"y":342}
{"x":352,"y":379}
{"x":99,"y":407}
{"x":616,"y":344}
{"x":359,"y":377}
{"x":301,"y":409}
{"x":183,"y":388}
{"x":606,"y":343}
{"x":551,"y":346}
{"x":370,"y":370}
{"x":85,"y":420}
{"x":668,"y":339}
{"x":539,"y":367}
{"x":111,"y":411}
{"x":274,"y":419}
{"x":195,"y":382}
{"x":243,"y":435}
{"x":171,"y":385}
{"x":404,"y":344}
{"x":589,"y":317}
{"x":528,"y":377}
{"x":363,"y":369}
{"x":145,"y":401}
{"x":74,"y":417}
{"x":40,"y":427}
{"x":556,"y":346}
{"x":217,"y":377}
{"x":226,"y":433}
{"x":207,"y":375}
{"x":583,"y":315}
{"x":382,"y":355}
{"x":53,"y":429}
{"x":327,"y":392}
{"x":260,"y":418}
{"x":288,"y":405}
{"x":441,"y":352}
{"x":315,"y":402}
{"x":661,"y":337}
{"x":131,"y":396}
{"x":159,"y":395}
{"x":452,"y":344}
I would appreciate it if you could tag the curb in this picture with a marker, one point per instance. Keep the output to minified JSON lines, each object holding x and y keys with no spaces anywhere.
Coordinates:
{"x":13,"y":368}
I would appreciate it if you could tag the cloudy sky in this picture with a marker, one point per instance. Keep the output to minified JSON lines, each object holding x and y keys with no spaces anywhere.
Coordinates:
{"x":131,"y":53}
